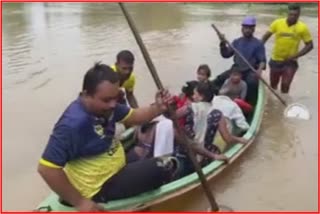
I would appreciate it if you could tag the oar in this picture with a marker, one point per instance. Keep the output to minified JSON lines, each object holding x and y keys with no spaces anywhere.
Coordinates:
{"x":295,"y":110}
{"x":185,"y":141}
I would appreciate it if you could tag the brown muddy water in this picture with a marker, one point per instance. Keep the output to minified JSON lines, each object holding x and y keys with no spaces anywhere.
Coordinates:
{"x":47,"y":47}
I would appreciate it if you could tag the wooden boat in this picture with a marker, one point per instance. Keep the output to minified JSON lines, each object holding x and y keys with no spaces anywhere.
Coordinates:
{"x":177,"y":187}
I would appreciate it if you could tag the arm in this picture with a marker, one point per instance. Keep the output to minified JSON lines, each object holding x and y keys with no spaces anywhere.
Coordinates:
{"x":261,"y":57}
{"x":199,"y":149}
{"x":266,"y":36}
{"x":142,"y":115}
{"x":306,"y":49}
{"x":270,"y":32}
{"x":145,"y":114}
{"x":129,"y":88}
{"x":58,"y":152}
{"x":131,"y":99}
{"x":307,"y":39}
{"x":181,"y":112}
{"x":59,"y":183}
{"x":244,"y":89}
{"x":225,"y":134}
{"x":224,"y":89}
{"x":261,"y":67}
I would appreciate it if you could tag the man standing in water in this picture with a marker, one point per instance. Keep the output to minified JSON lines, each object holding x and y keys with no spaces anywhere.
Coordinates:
{"x":124,"y":66}
{"x":254,"y":52}
{"x":284,"y":60}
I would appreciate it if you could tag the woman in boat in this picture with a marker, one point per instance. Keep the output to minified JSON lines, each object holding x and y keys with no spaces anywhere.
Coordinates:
{"x":156,"y":138}
{"x":185,"y":98}
{"x":232,"y":111}
{"x":202,"y":124}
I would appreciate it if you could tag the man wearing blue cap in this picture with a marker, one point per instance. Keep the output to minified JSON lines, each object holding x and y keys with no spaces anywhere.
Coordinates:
{"x":253,"y":50}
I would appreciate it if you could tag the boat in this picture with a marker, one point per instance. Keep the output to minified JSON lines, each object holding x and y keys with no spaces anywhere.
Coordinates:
{"x":178,"y":187}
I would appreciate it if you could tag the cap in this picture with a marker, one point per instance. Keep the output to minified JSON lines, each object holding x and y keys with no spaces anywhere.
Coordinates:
{"x":249,"y":20}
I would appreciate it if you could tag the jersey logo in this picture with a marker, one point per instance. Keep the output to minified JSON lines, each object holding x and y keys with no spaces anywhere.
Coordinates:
{"x":98,"y":129}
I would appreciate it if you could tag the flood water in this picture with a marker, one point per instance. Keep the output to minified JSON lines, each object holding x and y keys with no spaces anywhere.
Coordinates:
{"x":47,"y":48}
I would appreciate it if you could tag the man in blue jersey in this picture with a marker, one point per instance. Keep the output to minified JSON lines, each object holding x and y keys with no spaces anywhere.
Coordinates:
{"x":84,"y":163}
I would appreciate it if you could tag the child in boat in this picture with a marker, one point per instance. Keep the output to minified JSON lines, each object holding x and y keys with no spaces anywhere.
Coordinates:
{"x":236,"y":89}
{"x":202,"y":123}
{"x":203,"y":73}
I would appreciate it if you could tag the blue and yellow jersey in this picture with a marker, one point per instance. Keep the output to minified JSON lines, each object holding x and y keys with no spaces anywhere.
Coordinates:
{"x":85,"y":147}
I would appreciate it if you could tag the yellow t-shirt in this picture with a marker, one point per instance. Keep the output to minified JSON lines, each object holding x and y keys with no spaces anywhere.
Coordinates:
{"x":88,"y":175}
{"x":288,"y":38}
{"x":129,"y":83}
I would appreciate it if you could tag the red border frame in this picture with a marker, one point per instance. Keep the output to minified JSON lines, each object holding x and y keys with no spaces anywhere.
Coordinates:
{"x":224,"y":1}
{"x":256,"y":1}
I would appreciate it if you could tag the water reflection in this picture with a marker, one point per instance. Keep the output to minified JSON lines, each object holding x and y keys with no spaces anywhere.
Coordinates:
{"x":161,"y":17}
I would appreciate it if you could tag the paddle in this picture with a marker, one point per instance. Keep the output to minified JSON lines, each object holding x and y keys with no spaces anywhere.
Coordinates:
{"x":185,"y":141}
{"x":295,"y":110}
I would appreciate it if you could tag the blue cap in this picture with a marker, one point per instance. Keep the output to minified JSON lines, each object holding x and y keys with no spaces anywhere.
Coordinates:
{"x":249,"y":20}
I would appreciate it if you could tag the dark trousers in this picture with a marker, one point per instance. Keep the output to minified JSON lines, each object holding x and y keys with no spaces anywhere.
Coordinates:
{"x":284,"y":72}
{"x":135,"y":178}
{"x":186,"y":167}
{"x":249,"y":77}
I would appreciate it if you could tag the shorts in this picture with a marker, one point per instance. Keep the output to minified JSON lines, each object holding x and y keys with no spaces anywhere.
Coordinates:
{"x":279,"y":65}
